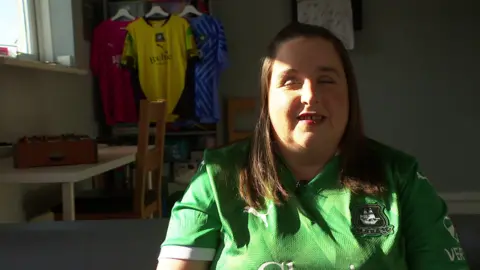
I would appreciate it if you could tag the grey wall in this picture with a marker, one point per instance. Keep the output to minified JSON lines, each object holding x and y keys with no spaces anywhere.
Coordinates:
{"x":417,"y":67}
{"x":416,"y":63}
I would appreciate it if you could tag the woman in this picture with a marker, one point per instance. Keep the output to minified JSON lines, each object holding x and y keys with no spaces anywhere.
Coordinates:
{"x":309,"y":190}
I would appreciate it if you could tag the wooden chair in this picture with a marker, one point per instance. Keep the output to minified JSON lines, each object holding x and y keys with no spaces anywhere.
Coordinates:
{"x":138,"y":203}
{"x":235,"y":107}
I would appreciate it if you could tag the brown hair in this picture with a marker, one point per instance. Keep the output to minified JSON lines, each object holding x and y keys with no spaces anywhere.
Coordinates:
{"x":361,"y":169}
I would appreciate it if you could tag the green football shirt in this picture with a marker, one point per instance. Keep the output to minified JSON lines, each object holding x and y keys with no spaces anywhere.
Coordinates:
{"x":324,"y":226}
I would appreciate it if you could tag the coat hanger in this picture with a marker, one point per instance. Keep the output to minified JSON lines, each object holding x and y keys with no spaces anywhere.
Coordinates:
{"x":190,"y":9}
{"x":123,"y":12}
{"x":156,"y":10}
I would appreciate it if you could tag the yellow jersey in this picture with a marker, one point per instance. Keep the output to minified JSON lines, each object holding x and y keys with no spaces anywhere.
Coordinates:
{"x":159,"y":50}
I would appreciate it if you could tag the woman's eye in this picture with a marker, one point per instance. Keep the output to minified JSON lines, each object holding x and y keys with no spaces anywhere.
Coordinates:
{"x":325,"y":81}
{"x":291,"y":83}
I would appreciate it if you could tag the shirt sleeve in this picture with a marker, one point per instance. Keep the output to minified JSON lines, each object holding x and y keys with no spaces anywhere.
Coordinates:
{"x":129,"y":55}
{"x":222,"y":51}
{"x":194,"y":228}
{"x":190,"y":44}
{"x":431,"y":240}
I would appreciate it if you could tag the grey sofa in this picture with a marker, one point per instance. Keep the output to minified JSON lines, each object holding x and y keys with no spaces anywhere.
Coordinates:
{"x":124,"y":245}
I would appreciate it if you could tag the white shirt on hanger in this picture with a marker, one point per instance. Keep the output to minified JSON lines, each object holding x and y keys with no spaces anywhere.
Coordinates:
{"x":335,"y":15}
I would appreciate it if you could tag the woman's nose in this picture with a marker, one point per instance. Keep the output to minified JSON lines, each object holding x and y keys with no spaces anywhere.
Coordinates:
{"x":309,"y":93}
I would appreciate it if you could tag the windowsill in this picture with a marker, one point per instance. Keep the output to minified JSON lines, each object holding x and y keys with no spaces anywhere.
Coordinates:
{"x":13,"y":62}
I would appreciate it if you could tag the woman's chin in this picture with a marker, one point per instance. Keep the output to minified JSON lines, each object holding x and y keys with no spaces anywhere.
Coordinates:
{"x":307,"y":140}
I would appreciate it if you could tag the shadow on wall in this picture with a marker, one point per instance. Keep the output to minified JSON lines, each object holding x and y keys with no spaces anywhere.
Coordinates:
{"x":129,"y":244}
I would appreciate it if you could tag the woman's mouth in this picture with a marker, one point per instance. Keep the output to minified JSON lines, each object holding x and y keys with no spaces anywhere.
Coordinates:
{"x":310,"y":118}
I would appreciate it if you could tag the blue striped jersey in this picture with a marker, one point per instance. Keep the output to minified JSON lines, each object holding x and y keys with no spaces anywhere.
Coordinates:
{"x":212,"y":46}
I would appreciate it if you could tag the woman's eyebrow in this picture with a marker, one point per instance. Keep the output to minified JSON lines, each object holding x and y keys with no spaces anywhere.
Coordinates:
{"x":328,"y":69}
{"x":289,"y":71}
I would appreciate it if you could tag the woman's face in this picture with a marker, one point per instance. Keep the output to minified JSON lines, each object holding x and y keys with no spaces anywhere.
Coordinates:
{"x":308,"y":94}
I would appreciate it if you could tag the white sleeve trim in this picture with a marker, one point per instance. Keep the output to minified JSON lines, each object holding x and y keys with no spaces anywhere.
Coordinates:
{"x":187,"y":253}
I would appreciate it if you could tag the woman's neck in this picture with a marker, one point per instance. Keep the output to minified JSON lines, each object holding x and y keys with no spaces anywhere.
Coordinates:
{"x":305,"y":164}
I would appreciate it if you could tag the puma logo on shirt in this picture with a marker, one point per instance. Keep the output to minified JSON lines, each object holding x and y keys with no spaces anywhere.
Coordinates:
{"x":262,"y":216}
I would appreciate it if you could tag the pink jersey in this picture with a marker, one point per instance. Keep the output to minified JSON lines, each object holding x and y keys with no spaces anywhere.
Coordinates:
{"x":116,"y":90}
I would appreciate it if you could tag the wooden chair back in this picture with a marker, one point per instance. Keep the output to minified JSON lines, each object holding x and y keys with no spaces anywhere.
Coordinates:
{"x":149,"y":159}
{"x":235,"y":107}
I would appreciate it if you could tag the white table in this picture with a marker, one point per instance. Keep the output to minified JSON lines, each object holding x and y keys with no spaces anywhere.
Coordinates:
{"x":109,"y":158}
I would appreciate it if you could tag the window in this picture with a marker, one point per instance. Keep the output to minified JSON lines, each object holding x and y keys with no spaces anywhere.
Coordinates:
{"x":41,"y":28}
{"x":38,"y":30}
{"x":18,"y":27}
